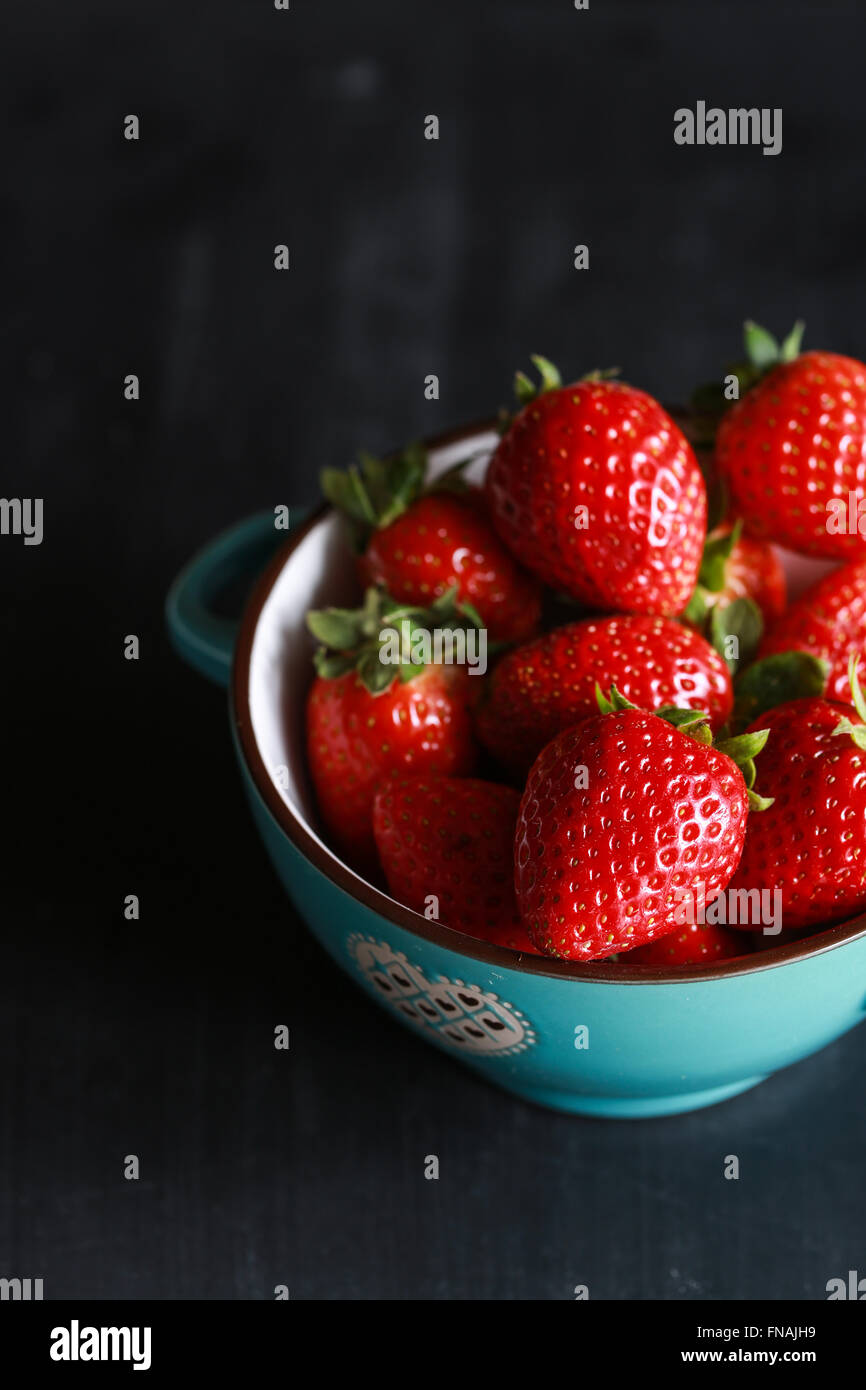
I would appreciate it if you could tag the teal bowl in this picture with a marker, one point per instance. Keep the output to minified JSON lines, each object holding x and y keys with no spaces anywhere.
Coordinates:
{"x":601,"y":1039}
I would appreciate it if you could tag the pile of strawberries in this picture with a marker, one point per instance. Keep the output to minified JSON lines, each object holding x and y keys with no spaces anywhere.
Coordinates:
{"x":656,"y":728}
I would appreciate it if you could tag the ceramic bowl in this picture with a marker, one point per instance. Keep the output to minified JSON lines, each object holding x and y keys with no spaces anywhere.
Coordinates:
{"x":598,"y":1039}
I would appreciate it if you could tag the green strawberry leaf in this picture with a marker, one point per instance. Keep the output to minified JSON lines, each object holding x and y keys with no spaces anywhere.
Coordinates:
{"x":791,"y":345}
{"x":408,"y":672}
{"x":374,"y":674}
{"x":692,"y":722}
{"x":775,"y":680}
{"x":683,"y":719}
{"x":550,"y":377}
{"x":613,"y":702}
{"x":376,"y":640}
{"x":525,"y":390}
{"x":856,"y":731}
{"x":856,"y":692}
{"x":742,"y":750}
{"x":697,"y":608}
{"x":759,"y":803}
{"x":374,"y":492}
{"x":700,"y":732}
{"x":744,"y":747}
{"x":717,"y":552}
{"x":762,"y":350}
{"x":329,"y":665}
{"x":762,"y":354}
{"x":446,"y":604}
{"x":337,"y":628}
{"x":601,"y":374}
{"x":346,"y":491}
{"x":449,"y":612}
{"x":736,"y":630}
{"x":403,"y":481}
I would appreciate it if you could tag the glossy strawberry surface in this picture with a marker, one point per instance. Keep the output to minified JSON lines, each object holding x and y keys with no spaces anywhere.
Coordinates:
{"x":545,"y":686}
{"x":596,"y":490}
{"x":447,"y":848}
{"x":444,"y":540}
{"x":829,"y":621}
{"x":793,"y":443}
{"x":698,"y":943}
{"x":355,"y":739}
{"x":811,"y":843}
{"x":621,"y":816}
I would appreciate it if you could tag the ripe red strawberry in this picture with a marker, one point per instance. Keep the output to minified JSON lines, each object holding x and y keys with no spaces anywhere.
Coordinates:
{"x":419,"y":544}
{"x":595,"y":489}
{"x":795,"y":443}
{"x":699,"y":943}
{"x":829,"y":622}
{"x":368,"y":719}
{"x":811,"y":843}
{"x":622,"y":817}
{"x":447,"y":847}
{"x":736,"y":566}
{"x":549,"y":684}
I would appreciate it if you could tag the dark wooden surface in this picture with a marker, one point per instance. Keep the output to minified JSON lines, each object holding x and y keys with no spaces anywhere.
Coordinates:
{"x":408,"y":257}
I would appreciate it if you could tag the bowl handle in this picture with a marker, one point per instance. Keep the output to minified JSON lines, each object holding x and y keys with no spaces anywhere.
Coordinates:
{"x":204,"y":638}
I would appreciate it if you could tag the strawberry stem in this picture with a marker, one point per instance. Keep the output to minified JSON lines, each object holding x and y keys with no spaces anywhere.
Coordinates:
{"x":374,"y":492}
{"x":525,"y":390}
{"x":763,"y":353}
{"x":856,"y":731}
{"x":364,"y":639}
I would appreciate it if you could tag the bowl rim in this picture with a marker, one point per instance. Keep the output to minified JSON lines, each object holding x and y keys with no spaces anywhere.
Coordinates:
{"x":437,"y":933}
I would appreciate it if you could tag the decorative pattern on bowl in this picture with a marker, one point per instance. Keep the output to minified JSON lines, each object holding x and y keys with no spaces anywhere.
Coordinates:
{"x":468,"y":1018}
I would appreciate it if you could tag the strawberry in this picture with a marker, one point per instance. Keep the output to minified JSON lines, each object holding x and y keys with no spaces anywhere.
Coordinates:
{"x":741,"y":579}
{"x":446,"y":845}
{"x":596,"y":490}
{"x":792,"y":451}
{"x":698,"y":943}
{"x":545,"y":686}
{"x":418,"y":544}
{"x":735,"y":566}
{"x":829,"y":622}
{"x":369,"y":717}
{"x":623,"y":816}
{"x":811,"y":843}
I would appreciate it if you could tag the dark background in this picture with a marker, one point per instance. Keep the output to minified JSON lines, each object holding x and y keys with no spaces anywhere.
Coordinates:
{"x":408,"y":257}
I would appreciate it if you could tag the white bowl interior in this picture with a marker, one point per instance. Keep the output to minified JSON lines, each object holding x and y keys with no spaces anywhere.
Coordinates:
{"x":320,"y":572}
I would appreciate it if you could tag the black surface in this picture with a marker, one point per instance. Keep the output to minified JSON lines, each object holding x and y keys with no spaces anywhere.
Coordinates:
{"x":408,"y":257}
